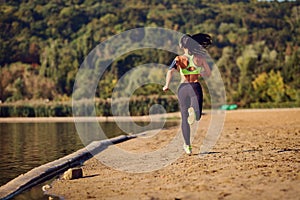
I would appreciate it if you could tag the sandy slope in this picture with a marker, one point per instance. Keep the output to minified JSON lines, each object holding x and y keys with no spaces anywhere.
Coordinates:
{"x":256,"y":157}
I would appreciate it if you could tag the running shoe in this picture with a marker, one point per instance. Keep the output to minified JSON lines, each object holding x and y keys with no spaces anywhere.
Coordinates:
{"x":187,"y":149}
{"x":192,"y":115}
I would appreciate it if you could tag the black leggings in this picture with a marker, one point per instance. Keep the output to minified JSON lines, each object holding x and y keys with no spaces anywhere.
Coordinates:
{"x":189,"y":95}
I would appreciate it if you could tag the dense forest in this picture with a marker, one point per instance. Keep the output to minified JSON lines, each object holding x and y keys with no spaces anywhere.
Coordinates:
{"x":255,"y":45}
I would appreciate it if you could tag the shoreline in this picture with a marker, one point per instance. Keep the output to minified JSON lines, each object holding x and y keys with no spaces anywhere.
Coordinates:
{"x":42,"y":173}
{"x":257,"y":156}
{"x":233,"y":112}
{"x":156,"y":117}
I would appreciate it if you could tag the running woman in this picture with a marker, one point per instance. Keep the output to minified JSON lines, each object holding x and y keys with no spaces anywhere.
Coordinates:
{"x":191,"y":65}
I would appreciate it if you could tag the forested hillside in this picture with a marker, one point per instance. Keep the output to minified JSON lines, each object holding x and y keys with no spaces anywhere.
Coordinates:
{"x":43,"y":43}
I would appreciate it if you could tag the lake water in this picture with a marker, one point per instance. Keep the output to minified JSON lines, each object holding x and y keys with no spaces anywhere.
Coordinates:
{"x":24,"y":146}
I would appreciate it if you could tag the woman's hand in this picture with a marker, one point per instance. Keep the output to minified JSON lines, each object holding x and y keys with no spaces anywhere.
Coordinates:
{"x":165,"y":88}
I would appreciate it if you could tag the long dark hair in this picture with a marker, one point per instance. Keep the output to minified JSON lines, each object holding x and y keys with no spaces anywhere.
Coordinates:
{"x":184,"y":41}
{"x":203,"y":39}
{"x":196,"y":44}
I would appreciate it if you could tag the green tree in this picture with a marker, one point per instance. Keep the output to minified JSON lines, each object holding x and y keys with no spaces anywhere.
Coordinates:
{"x":229,"y":72}
{"x":269,"y":87}
{"x":249,"y":38}
{"x":246,"y":63}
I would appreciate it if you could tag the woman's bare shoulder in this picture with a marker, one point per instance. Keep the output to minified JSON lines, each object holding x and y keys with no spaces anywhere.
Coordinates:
{"x":199,"y":60}
{"x":182,"y":61}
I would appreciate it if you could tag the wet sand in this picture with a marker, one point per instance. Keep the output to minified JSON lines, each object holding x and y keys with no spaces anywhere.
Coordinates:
{"x":256,"y":157}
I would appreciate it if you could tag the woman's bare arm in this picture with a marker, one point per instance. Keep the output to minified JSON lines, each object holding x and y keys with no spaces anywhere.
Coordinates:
{"x":168,"y":78}
{"x":207,"y":71}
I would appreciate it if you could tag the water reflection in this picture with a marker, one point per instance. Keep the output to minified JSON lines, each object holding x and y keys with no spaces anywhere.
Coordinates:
{"x":24,"y":146}
{"x":28,"y":145}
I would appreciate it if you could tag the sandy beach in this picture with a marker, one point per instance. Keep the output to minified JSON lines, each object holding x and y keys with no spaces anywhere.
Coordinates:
{"x":256,"y":157}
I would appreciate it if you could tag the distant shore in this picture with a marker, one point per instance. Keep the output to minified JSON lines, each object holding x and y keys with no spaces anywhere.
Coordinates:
{"x":156,"y":117}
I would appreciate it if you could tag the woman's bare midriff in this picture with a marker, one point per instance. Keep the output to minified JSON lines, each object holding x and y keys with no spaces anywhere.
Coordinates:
{"x":192,"y":78}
